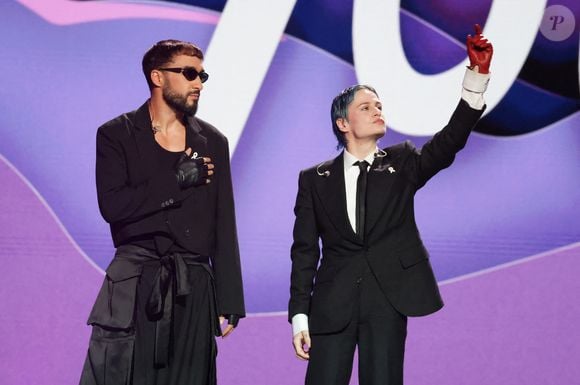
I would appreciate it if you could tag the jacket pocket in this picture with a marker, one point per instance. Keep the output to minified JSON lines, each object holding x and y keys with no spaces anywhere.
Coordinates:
{"x":412,"y":256}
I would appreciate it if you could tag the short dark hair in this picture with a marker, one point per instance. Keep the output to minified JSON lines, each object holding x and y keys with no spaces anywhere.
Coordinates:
{"x":339,"y":109}
{"x":163,"y":52}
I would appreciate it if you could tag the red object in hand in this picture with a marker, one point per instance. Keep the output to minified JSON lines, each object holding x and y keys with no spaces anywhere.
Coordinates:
{"x":479,"y":51}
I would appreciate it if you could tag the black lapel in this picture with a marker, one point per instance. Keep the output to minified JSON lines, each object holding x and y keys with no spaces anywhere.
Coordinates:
{"x":195,"y":139}
{"x":379,"y":187}
{"x":331,"y":191}
{"x":144,"y":139}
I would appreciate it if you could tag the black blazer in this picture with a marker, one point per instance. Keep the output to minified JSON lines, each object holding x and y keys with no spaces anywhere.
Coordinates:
{"x":137,"y":199}
{"x":392,"y":246}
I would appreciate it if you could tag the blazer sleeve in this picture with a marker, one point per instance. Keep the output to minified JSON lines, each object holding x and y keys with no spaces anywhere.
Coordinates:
{"x":118,"y":199}
{"x":305,"y":251}
{"x":226,"y":261}
{"x":439,"y":152}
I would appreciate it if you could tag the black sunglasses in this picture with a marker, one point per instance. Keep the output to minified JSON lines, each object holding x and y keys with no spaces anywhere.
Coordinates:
{"x":189,"y":73}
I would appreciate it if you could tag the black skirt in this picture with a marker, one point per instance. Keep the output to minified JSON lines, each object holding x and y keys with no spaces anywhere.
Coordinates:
{"x":154,"y":322}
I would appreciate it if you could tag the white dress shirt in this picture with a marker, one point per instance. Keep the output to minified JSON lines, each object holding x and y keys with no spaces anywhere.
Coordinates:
{"x":474,"y":85}
{"x":351,"y":173}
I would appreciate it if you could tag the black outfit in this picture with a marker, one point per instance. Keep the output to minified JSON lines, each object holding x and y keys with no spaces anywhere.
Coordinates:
{"x":388,"y":263}
{"x":162,"y":242}
{"x":177,"y":262}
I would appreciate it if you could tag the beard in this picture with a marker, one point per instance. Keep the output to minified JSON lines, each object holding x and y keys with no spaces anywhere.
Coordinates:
{"x":179,"y":102}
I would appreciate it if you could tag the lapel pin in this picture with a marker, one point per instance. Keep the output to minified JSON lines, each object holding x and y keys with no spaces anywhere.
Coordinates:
{"x":325,"y":173}
{"x":391,"y":170}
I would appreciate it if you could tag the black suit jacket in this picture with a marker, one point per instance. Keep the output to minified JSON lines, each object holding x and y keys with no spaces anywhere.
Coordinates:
{"x":137,"y":199}
{"x":392,"y":246}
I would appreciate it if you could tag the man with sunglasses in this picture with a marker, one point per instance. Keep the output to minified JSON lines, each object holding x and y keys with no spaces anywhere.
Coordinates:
{"x":164,"y":186}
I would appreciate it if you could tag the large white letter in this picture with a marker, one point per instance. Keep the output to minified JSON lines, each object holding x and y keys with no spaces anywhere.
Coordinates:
{"x":238,"y":59}
{"x":418,"y":104}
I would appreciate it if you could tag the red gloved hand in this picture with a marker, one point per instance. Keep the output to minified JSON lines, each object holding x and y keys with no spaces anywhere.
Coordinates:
{"x":479,"y":51}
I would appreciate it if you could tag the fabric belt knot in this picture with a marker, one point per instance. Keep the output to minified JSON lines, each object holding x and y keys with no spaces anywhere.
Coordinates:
{"x":171,"y":280}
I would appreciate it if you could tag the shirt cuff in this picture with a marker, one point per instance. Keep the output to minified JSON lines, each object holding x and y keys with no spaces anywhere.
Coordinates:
{"x":299,"y":323}
{"x":474,"y":85}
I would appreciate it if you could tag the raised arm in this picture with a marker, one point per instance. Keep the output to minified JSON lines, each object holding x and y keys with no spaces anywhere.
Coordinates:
{"x":440,"y":151}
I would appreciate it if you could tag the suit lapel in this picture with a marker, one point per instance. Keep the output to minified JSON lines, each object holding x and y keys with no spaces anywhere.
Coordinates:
{"x":380,"y":182}
{"x":144,"y":140}
{"x":331,"y":191}
{"x":195,"y":139}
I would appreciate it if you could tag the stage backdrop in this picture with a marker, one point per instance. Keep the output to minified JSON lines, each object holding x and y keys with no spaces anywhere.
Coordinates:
{"x":501,"y":225}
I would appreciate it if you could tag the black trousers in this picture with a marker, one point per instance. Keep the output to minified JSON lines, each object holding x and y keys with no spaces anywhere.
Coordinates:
{"x":376,"y":328}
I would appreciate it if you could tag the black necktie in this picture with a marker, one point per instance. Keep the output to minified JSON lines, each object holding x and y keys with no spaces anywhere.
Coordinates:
{"x":361,"y":194}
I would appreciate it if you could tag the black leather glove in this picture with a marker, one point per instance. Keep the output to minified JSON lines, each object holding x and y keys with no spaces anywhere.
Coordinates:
{"x":233,"y":319}
{"x":191,"y":171}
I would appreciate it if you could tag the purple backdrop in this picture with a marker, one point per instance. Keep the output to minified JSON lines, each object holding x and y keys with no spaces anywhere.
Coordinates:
{"x":501,"y":224}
